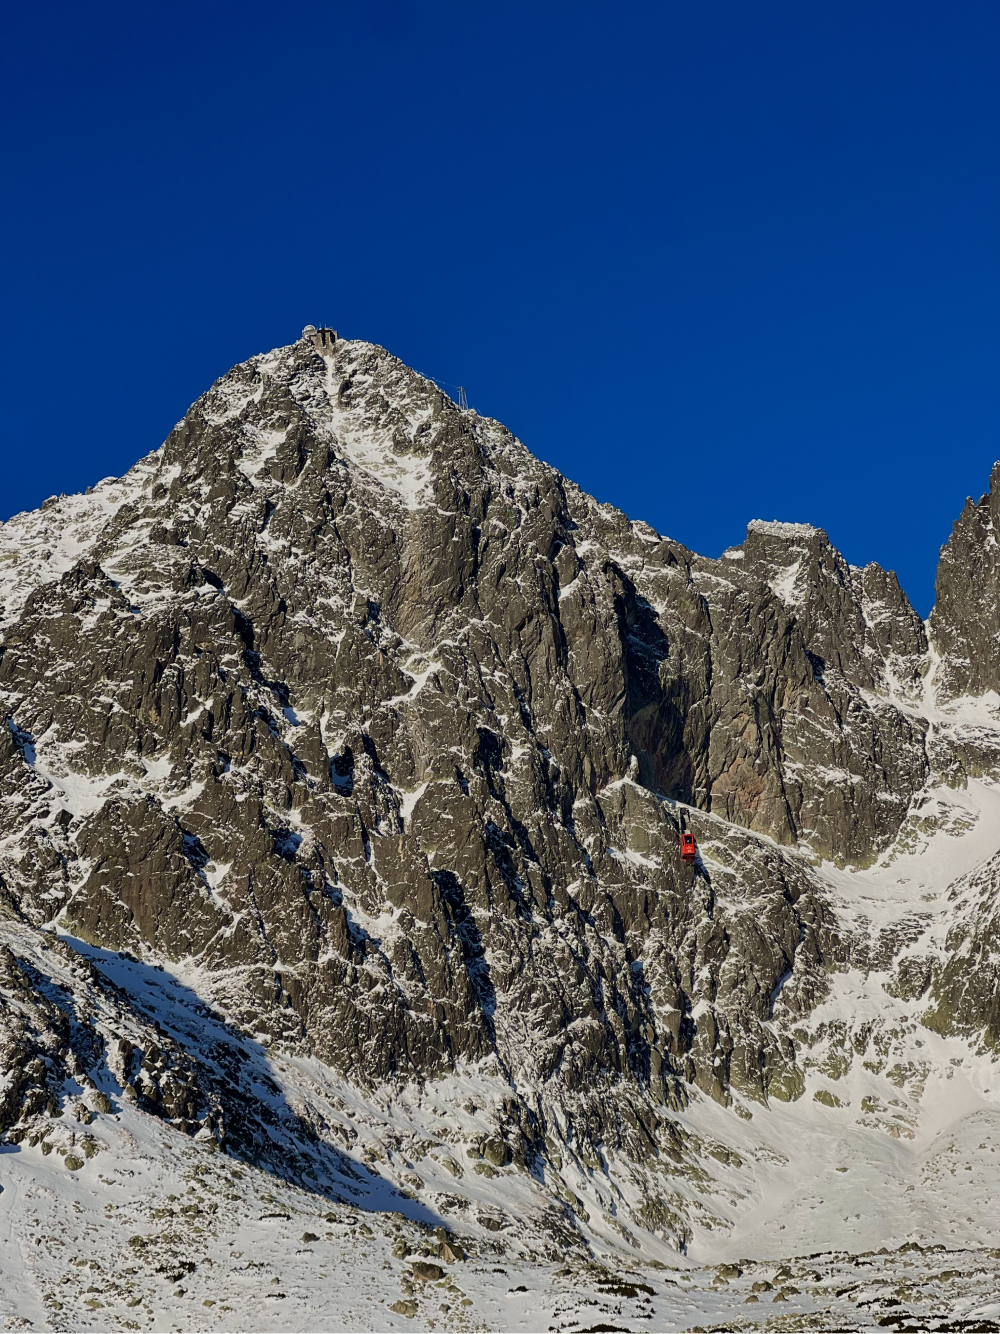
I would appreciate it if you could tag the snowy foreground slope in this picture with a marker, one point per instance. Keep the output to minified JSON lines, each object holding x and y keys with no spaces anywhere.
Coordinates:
{"x":349,"y":973}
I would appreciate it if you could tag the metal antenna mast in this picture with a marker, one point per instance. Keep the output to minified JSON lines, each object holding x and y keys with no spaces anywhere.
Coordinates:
{"x":463,"y":402}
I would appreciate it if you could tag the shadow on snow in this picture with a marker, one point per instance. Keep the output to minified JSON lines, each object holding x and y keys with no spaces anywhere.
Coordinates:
{"x":261,"y":1127}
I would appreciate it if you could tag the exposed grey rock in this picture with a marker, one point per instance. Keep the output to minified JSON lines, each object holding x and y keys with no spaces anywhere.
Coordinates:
{"x":965,"y":622}
{"x":388,"y":667}
{"x":426,"y":1272}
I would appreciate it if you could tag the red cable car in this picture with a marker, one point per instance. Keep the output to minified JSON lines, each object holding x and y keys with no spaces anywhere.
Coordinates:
{"x":688,"y":849}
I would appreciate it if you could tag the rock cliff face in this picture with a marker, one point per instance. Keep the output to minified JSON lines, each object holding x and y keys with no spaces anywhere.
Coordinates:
{"x":966,"y":616}
{"x":346,"y":704}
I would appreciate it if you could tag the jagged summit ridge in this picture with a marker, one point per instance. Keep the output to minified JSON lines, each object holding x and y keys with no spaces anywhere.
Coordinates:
{"x":781,"y":529}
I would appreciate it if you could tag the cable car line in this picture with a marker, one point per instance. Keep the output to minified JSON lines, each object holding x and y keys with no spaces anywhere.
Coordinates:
{"x":463,"y":402}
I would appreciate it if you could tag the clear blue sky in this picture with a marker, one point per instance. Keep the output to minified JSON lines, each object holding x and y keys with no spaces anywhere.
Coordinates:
{"x":715,"y":261}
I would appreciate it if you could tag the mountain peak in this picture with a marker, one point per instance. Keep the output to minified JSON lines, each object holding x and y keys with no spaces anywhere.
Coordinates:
{"x":376,"y":736}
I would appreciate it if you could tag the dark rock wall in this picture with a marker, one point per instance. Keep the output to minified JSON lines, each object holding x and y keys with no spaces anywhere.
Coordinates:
{"x":965,"y":622}
{"x":382,"y":721}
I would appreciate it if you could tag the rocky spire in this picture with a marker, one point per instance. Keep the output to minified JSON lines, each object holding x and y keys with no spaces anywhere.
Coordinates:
{"x":965,"y":622}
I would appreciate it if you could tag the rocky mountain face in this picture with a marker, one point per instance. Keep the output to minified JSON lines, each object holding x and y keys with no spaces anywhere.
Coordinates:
{"x":380,"y":732}
{"x":966,"y":616}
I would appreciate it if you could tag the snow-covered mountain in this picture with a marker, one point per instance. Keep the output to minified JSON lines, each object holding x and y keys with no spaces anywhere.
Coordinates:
{"x":347,"y":749}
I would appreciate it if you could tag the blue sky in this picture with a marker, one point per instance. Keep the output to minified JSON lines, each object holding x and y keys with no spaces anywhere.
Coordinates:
{"x":715,"y":261}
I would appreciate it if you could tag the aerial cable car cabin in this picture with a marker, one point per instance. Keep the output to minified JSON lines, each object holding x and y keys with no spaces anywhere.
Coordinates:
{"x":688,"y":849}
